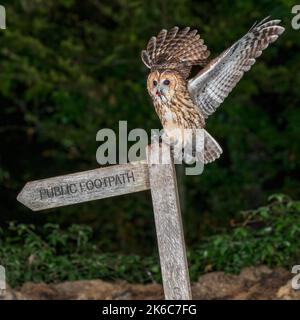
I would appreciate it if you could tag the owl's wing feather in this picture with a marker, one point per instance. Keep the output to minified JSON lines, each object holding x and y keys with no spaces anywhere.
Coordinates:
{"x":215,"y":81}
{"x":175,"y":49}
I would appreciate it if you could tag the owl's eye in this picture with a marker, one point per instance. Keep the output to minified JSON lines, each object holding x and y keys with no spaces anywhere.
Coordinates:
{"x":166,"y":82}
{"x":154,"y":83}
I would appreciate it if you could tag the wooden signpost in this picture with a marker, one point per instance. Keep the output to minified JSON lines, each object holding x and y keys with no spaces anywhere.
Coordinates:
{"x":158,"y":176}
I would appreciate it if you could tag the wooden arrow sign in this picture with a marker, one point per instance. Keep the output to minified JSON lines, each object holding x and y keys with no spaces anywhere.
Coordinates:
{"x":157,"y":174}
{"x":85,"y":186}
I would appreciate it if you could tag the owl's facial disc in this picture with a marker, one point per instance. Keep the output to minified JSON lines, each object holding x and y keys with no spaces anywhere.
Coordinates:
{"x":161,"y":86}
{"x":162,"y":90}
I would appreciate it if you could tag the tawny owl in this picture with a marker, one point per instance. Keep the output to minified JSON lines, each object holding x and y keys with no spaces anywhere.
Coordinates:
{"x":183,"y":103}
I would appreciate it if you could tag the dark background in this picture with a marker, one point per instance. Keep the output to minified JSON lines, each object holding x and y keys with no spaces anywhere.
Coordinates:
{"x":69,"y":68}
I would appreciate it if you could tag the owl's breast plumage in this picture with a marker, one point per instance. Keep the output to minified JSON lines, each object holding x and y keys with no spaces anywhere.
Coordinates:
{"x":179,"y":112}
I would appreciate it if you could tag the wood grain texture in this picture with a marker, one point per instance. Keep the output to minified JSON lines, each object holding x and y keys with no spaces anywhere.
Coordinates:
{"x":85,"y":186}
{"x":169,"y":228}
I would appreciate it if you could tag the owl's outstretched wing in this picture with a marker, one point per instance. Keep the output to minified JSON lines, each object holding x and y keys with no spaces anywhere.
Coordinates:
{"x":175,"y":49}
{"x":213,"y":83}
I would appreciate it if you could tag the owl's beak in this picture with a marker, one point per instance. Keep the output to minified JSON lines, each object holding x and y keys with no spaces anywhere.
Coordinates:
{"x":159,"y":92}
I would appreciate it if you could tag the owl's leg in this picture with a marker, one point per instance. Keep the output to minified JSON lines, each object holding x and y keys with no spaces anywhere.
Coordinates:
{"x":165,"y":138}
{"x":156,"y":136}
{"x":175,"y":141}
{"x":161,"y":136}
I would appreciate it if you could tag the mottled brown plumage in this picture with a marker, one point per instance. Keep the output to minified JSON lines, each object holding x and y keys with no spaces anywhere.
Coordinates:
{"x":184,"y":104}
{"x":175,"y":50}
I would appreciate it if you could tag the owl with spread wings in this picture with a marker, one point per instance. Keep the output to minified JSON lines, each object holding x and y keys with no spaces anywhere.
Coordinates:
{"x":183,"y":103}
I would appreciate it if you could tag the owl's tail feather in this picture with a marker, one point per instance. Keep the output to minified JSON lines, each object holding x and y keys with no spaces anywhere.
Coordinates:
{"x":206,"y":150}
{"x":212,"y":149}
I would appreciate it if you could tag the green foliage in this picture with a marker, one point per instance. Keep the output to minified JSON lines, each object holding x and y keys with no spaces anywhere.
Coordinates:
{"x":268,"y":235}
{"x":50,"y":254}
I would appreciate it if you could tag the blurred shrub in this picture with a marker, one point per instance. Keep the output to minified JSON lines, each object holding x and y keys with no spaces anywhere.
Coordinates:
{"x":268,"y":235}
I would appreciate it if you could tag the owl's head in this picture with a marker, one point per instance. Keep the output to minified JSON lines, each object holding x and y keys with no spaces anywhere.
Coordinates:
{"x":162,"y":85}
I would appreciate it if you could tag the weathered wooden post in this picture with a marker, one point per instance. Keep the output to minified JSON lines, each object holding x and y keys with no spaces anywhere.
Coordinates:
{"x":168,"y":222}
{"x":156,"y":174}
